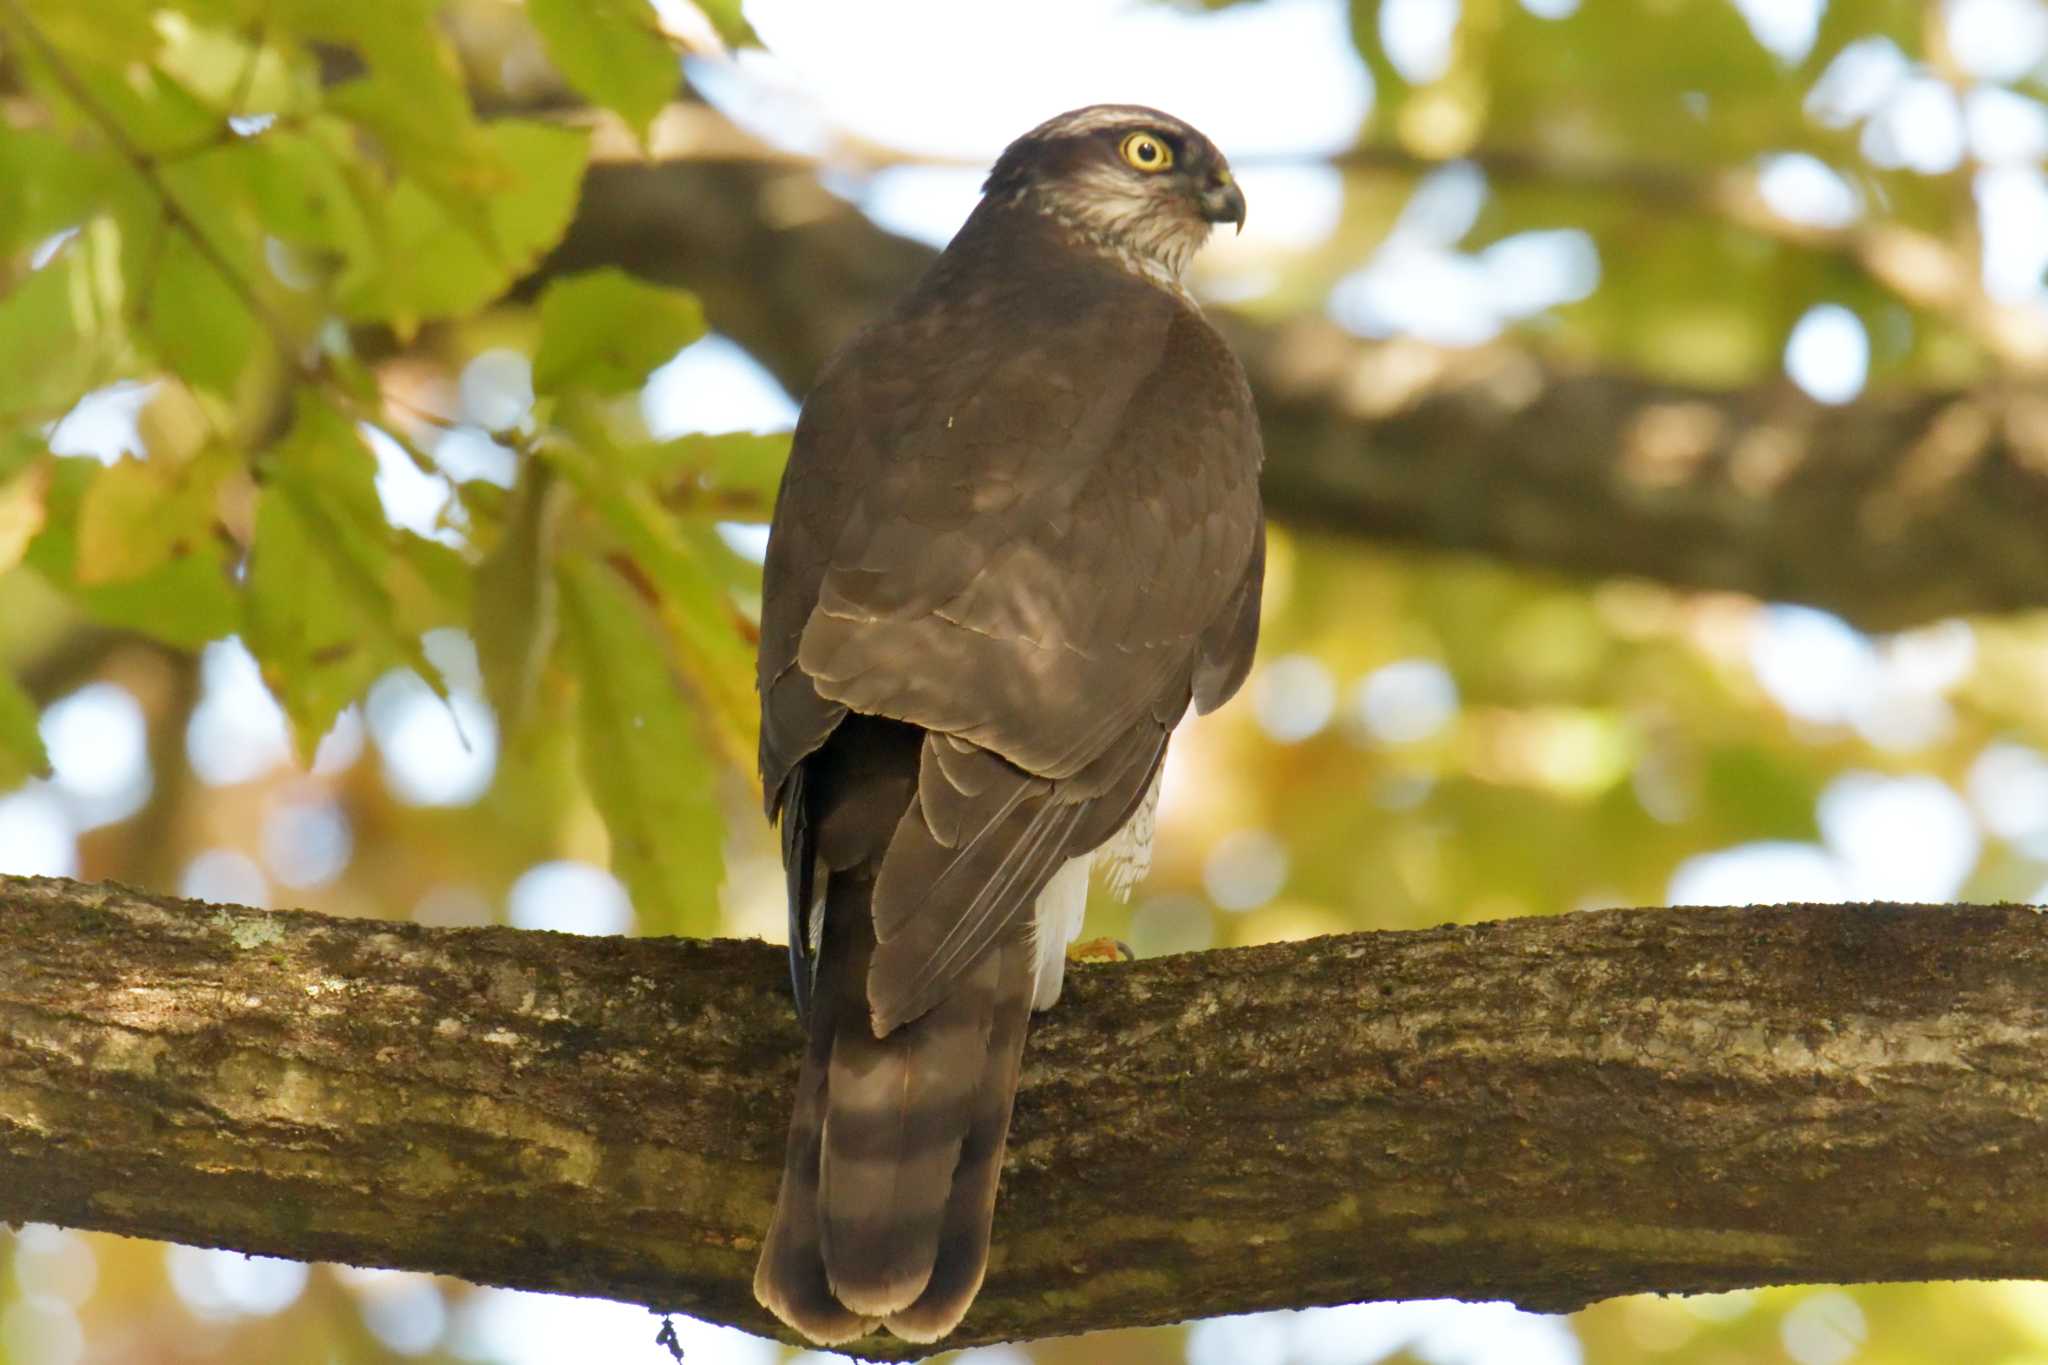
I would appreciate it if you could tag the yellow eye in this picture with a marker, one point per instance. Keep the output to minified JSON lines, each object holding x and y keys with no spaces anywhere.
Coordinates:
{"x":1147,"y":152}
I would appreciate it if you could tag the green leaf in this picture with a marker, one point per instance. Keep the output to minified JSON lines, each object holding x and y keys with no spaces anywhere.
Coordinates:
{"x":432,"y":264}
{"x":336,"y":595}
{"x":47,"y":183}
{"x":184,"y":602}
{"x":515,"y":601}
{"x":732,"y":25}
{"x":411,"y":98}
{"x":139,"y":515}
{"x":60,"y":329}
{"x":21,"y":742}
{"x":605,"y":331}
{"x":649,"y":775}
{"x":612,"y":51}
{"x":703,"y":623}
{"x":732,"y":475}
{"x":198,"y":318}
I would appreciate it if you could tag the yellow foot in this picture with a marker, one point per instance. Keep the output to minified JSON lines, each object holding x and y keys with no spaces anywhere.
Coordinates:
{"x":1100,"y":950}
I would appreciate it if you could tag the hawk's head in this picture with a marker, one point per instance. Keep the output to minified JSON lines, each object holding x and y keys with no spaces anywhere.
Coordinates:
{"x":1129,"y":177}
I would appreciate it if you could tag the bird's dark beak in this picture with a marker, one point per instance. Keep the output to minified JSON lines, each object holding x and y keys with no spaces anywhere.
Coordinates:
{"x":1222,"y":200}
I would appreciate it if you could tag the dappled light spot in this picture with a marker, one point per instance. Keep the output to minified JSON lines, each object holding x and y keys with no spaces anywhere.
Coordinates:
{"x":1801,"y":188}
{"x":1898,"y":838}
{"x":1828,"y":353}
{"x":2012,"y":213}
{"x":1857,"y":82}
{"x":37,"y":838}
{"x":1811,"y":662}
{"x":237,"y":732}
{"x":435,"y":752}
{"x":1764,"y":457}
{"x":413,"y":499}
{"x":467,"y":454}
{"x":1576,"y":752}
{"x":1786,"y":27}
{"x":1902,"y":720}
{"x":2008,"y":786}
{"x":1766,"y":873}
{"x":496,"y":389}
{"x":1532,"y":271}
{"x":1418,"y":285}
{"x":307,"y":842}
{"x":1997,"y":40}
{"x":1664,"y":443}
{"x":226,"y":877}
{"x":1416,"y":36}
{"x":106,"y":423}
{"x":1824,"y":1328}
{"x":2008,"y":131}
{"x":924,"y":203}
{"x":1297,"y":207}
{"x":222,"y":1285}
{"x":341,"y":746}
{"x":1822,"y":670}
{"x":714,"y":385}
{"x":570,"y":897}
{"x":54,"y":1262}
{"x":1406,"y":702}
{"x":98,"y":742}
{"x":747,"y":539}
{"x":1919,"y":128}
{"x":1293,"y":696}
{"x":1172,"y":923}
{"x":1422,"y":291}
{"x":1245,"y":869}
{"x":403,"y":1309}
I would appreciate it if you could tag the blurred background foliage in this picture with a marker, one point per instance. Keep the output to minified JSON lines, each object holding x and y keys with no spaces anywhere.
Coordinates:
{"x":360,"y":550}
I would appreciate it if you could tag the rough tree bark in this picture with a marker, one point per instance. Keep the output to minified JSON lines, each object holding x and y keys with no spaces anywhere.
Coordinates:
{"x":1544,"y":1110}
{"x":1892,"y":510}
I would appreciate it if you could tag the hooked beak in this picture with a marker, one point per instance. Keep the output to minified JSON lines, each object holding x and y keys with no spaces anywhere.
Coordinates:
{"x":1222,"y":200}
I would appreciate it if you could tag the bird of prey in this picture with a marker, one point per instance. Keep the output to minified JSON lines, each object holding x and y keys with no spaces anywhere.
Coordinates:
{"x":1019,"y":535}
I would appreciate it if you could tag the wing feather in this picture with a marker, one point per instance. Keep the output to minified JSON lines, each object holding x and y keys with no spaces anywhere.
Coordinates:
{"x":1039,"y":545}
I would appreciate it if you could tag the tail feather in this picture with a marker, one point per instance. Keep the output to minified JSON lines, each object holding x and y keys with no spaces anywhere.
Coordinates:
{"x":961,"y":1256}
{"x":896,"y":1112}
{"x":790,"y":1279}
{"x":895,"y":1146}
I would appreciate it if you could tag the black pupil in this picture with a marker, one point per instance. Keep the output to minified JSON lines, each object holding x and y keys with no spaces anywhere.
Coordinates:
{"x":1147,"y":152}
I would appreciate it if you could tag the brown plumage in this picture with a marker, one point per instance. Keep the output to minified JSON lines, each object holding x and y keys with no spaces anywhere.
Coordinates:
{"x":1019,"y":535}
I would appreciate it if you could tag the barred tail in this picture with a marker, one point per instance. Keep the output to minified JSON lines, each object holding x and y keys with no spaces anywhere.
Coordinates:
{"x":896,"y":1143}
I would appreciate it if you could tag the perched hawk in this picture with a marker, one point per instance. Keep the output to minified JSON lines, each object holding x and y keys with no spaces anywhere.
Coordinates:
{"x":1019,"y":534}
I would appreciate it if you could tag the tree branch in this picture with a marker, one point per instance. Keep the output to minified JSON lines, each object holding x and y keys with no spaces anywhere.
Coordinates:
{"x":1891,"y":510}
{"x":1546,"y":1110}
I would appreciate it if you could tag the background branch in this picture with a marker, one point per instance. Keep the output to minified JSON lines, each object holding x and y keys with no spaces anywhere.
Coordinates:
{"x":1891,"y":510}
{"x":1547,"y":1110}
